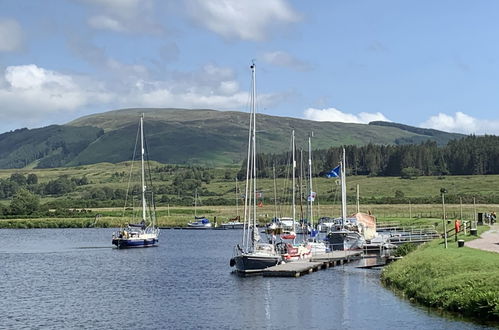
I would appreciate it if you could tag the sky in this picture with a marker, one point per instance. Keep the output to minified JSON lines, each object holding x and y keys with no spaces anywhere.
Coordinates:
{"x":424,"y":63}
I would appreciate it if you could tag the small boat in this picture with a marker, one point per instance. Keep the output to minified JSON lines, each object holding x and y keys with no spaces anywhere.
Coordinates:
{"x":233,"y":223}
{"x":145,"y":233}
{"x":294,"y":252}
{"x":199,"y":223}
{"x":252,"y":253}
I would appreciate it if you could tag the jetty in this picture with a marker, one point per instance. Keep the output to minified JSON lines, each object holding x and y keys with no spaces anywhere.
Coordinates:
{"x":303,"y":267}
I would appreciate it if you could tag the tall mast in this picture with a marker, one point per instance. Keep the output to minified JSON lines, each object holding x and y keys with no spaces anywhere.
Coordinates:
{"x":343,"y":189}
{"x":142,"y":165}
{"x":253,"y":106}
{"x":275,"y":193}
{"x":310,"y":181}
{"x":300,"y":183}
{"x":294,"y":174}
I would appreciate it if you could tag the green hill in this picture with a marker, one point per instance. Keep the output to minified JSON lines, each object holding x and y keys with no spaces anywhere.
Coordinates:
{"x":183,"y":136}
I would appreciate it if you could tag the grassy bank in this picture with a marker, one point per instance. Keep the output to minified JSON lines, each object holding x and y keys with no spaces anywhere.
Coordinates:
{"x":460,"y":280}
{"x":180,"y":216}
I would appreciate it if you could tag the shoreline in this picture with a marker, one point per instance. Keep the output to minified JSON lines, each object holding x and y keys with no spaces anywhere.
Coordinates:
{"x":459,"y":280}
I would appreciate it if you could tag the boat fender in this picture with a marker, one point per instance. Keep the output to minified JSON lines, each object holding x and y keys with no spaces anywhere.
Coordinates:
{"x":232,"y":262}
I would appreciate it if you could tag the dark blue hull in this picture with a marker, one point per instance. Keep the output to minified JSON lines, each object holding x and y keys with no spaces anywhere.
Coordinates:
{"x":122,"y":243}
{"x":253,"y":262}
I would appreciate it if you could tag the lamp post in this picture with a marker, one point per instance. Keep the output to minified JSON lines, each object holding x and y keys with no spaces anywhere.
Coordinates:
{"x":443,"y":191}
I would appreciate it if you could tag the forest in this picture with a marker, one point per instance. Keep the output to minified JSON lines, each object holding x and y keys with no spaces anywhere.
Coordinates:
{"x":472,"y":155}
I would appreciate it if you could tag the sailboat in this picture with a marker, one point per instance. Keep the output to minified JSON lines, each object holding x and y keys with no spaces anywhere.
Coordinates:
{"x":145,"y":233}
{"x":290,"y":250}
{"x":199,"y":222}
{"x":350,"y":233}
{"x":318,"y":246}
{"x":252,"y":253}
{"x":234,"y":223}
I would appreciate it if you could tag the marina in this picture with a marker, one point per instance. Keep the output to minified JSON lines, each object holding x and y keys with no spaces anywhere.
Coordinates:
{"x":304,"y":267}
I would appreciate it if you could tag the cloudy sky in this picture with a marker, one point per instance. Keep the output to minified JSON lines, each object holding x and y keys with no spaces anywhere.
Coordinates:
{"x":424,"y":63}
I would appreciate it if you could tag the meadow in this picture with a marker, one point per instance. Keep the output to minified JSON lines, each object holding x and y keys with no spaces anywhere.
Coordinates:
{"x":387,"y":198}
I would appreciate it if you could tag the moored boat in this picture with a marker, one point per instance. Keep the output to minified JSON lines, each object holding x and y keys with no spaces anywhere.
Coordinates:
{"x":145,"y":233}
{"x":252,"y":254}
{"x":349,"y":233}
{"x":199,"y":223}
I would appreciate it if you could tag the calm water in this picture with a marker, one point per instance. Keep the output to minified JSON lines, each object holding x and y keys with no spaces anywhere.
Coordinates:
{"x":74,"y":279}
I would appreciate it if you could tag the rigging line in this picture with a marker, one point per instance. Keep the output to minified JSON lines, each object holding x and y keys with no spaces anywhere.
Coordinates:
{"x":149,"y":174}
{"x":131,"y":172}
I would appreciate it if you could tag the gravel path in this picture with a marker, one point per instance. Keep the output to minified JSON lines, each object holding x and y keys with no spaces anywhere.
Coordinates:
{"x":489,"y":241}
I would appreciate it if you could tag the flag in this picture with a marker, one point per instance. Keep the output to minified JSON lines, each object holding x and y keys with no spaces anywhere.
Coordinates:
{"x":312,"y":196}
{"x":259,"y":194}
{"x":334,"y":173}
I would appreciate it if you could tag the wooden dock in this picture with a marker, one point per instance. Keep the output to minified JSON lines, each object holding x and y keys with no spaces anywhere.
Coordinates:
{"x":303,"y":267}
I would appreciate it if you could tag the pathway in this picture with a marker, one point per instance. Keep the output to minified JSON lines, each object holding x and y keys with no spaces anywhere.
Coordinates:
{"x":488,"y":241}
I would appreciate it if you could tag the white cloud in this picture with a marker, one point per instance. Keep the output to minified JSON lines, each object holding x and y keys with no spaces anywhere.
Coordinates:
{"x":121,"y":8}
{"x":31,"y":95}
{"x":284,"y":59}
{"x":123,"y":16}
{"x":335,"y":115}
{"x":242,"y":19}
{"x":11,"y":35}
{"x":31,"y":91}
{"x":106,"y":23}
{"x":461,"y":123}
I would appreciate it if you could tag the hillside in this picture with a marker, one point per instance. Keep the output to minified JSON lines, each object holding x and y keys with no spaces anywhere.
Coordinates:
{"x":183,"y":136}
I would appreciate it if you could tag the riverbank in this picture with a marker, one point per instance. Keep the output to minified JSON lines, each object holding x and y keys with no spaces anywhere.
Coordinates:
{"x":460,"y":280}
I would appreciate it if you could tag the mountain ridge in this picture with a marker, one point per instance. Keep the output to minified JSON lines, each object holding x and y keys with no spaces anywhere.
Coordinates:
{"x":189,"y":136}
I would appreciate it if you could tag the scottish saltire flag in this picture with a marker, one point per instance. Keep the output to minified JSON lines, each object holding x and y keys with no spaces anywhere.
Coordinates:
{"x":334,"y":173}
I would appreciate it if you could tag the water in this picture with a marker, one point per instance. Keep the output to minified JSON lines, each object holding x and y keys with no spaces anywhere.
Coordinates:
{"x":74,"y":279}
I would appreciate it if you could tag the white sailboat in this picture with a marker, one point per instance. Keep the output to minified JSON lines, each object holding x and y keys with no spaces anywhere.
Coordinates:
{"x":252,"y":253}
{"x":235,"y":222}
{"x":199,"y":222}
{"x":145,"y":233}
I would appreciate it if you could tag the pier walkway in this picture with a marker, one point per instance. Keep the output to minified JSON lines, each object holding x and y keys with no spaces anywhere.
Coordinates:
{"x":488,"y":241}
{"x":303,"y":267}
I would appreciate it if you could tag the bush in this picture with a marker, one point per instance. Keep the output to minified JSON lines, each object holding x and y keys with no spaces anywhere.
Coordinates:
{"x":405,"y":249}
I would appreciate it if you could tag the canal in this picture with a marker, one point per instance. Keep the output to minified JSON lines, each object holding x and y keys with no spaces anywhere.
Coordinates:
{"x":73,"y":278}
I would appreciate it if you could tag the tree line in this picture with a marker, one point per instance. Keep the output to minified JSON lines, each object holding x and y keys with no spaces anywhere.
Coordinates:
{"x":471,"y":155}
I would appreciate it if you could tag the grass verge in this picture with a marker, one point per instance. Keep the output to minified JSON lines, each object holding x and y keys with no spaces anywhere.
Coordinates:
{"x":460,"y":280}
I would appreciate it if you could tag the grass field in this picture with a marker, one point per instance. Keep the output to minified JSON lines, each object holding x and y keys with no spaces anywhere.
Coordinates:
{"x":371,"y":188}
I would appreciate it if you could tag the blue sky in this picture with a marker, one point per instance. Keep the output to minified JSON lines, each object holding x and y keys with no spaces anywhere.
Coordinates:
{"x":424,"y":63}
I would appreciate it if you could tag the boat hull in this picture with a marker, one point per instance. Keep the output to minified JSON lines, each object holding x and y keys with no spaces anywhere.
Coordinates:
{"x":249,"y":261}
{"x":232,"y":225}
{"x":345,"y":240}
{"x":123,"y":243}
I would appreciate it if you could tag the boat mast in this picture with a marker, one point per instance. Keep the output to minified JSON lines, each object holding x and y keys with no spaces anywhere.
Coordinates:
{"x":300,"y":183}
{"x":195,"y":202}
{"x":310,"y":181}
{"x":250,"y":169}
{"x":253,"y":105}
{"x":343,"y":189}
{"x":294,"y":174}
{"x":275,"y":193}
{"x":142,"y":165}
